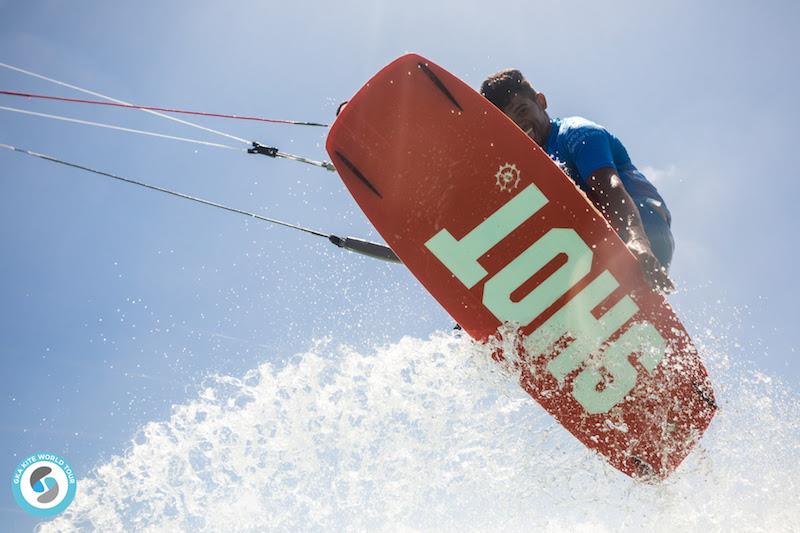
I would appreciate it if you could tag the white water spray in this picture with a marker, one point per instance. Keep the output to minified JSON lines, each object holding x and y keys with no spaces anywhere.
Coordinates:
{"x":428,"y":435}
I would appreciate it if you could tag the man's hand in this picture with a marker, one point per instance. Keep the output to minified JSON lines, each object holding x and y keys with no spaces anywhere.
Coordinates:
{"x":654,"y":272}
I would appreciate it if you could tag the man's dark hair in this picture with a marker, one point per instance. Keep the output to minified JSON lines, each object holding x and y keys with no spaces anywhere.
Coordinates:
{"x":501,"y":87}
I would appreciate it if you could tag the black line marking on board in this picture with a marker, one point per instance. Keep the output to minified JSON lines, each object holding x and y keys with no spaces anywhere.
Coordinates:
{"x":358,"y":173}
{"x":644,"y":470}
{"x":705,"y":396}
{"x":439,"y":84}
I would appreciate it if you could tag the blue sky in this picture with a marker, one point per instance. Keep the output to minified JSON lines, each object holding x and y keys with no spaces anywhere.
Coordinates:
{"x":117,"y":302}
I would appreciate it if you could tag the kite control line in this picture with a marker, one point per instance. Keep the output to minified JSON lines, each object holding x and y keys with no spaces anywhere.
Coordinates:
{"x":118,"y":128}
{"x":160,"y":112}
{"x":353,"y":244}
{"x":162,"y":109}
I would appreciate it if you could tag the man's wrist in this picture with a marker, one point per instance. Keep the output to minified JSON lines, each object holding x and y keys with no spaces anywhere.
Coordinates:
{"x":639,"y":244}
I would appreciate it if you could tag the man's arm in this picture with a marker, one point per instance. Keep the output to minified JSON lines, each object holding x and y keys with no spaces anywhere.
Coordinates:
{"x":608,"y":194}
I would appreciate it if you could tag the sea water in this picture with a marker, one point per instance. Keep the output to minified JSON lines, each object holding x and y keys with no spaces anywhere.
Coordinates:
{"x":432,"y":435}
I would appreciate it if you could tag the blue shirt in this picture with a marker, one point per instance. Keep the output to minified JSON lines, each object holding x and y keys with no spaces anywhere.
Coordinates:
{"x":580,"y":146}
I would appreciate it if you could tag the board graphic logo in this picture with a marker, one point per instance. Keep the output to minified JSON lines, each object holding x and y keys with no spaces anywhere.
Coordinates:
{"x":507,"y":177}
{"x":43,"y":484}
{"x":602,"y":382}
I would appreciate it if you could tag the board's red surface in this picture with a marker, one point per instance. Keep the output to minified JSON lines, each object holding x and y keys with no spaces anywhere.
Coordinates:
{"x":419,"y":151}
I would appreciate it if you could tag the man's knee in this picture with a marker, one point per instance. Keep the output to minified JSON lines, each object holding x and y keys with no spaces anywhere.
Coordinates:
{"x":663,"y":246}
{"x":658,"y":231}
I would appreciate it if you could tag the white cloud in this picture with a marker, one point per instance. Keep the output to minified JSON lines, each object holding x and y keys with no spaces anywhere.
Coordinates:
{"x":659,"y":175}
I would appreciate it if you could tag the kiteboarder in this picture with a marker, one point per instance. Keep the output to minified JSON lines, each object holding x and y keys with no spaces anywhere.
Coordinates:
{"x":599,"y":164}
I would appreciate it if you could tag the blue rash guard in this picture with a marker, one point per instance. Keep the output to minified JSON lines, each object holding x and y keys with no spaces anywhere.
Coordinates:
{"x":581,"y":147}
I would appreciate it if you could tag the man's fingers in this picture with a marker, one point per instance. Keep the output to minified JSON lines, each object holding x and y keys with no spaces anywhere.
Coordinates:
{"x":664,"y":283}
{"x":655,"y":274}
{"x":661,"y":279}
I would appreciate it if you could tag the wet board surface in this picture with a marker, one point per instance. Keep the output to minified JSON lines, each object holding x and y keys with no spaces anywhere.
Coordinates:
{"x":498,"y":234}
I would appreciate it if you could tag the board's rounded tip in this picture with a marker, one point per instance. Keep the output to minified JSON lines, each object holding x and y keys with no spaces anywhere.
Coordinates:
{"x":412,"y":57}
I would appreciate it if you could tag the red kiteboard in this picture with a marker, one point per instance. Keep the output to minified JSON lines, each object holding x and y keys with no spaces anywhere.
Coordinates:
{"x":498,"y":234}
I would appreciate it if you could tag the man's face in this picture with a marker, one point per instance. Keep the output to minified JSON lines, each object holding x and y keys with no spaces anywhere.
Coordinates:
{"x":528,"y":112}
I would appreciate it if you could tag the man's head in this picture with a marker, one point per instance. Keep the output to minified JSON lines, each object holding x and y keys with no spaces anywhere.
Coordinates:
{"x":512,"y":94}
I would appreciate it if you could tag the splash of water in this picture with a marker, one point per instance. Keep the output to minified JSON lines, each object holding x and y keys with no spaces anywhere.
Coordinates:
{"x":430,"y":435}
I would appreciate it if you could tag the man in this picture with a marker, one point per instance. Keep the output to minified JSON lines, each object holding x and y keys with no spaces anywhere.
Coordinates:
{"x":599,"y":164}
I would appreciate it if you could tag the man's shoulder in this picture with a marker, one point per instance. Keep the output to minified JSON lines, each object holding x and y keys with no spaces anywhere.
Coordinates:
{"x":575,"y":131}
{"x":576,"y":124}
